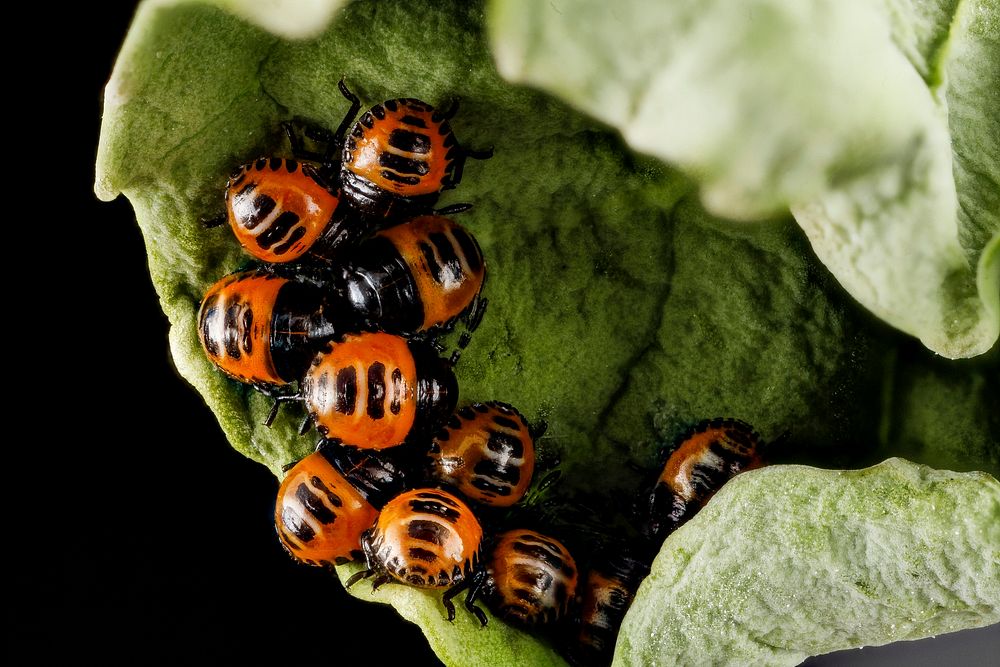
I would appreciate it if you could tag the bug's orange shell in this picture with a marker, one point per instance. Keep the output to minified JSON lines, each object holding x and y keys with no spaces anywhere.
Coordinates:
{"x":319,"y":516}
{"x":278,"y":208}
{"x":366,"y":145}
{"x":713,"y":445}
{"x":234,"y":326}
{"x":339,"y":385}
{"x":534,"y":577}
{"x":449,"y":287}
{"x":482,"y":450}
{"x":427,"y":538}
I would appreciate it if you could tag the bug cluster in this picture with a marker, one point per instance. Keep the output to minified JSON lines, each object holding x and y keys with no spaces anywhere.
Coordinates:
{"x":359,"y":276}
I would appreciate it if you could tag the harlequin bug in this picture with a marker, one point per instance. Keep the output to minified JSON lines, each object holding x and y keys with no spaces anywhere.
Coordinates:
{"x":426,"y":538}
{"x":282,"y":209}
{"x":376,"y":390}
{"x":399,"y":156}
{"x":487,"y":452}
{"x":319,"y":516}
{"x":531,"y":578}
{"x":415,"y":277}
{"x":710,"y":454}
{"x":610,"y":586}
{"x":261,"y":328}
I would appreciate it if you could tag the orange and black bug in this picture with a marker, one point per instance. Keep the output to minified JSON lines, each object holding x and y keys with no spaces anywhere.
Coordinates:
{"x":607,"y":593}
{"x":263,"y":329}
{"x":319,"y":515}
{"x":426,"y":538}
{"x":710,"y":454}
{"x":531,"y":578}
{"x":281,"y":209}
{"x":486,"y":451}
{"x":415,"y":277}
{"x":399,"y":156}
{"x":376,"y":390}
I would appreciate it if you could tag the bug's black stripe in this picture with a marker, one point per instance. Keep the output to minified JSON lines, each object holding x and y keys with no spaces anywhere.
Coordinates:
{"x":376,"y":390}
{"x":245,"y":190}
{"x":506,"y":422}
{"x":248,"y":331}
{"x":505,"y":444}
{"x":278,"y":229}
{"x":417,"y":553}
{"x":231,"y":331}
{"x":398,"y":178}
{"x":347,"y":390}
{"x":526,"y":595}
{"x":291,"y":166}
{"x":313,"y":503}
{"x":431,"y":259}
{"x":467,"y":412}
{"x":415,"y":121}
{"x":402,"y":164}
{"x":451,"y":264}
{"x":411,"y":142}
{"x":437,"y":496}
{"x":501,"y":473}
{"x":368,"y":120}
{"x":484,"y":484}
{"x":299,"y":232}
{"x":262,"y":207}
{"x":428,"y":531}
{"x":435,"y":508}
{"x":275,"y":163}
{"x":296,"y":525}
{"x":469,"y":247}
{"x":260,"y":163}
{"x":542,"y":554}
{"x":209,"y":311}
{"x":330,"y":495}
{"x":395,"y":404}
{"x":535,"y":539}
{"x":379,"y":110}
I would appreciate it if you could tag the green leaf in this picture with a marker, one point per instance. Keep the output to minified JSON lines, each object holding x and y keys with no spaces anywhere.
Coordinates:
{"x":791,"y":561}
{"x":875,"y":124}
{"x":620,"y":311}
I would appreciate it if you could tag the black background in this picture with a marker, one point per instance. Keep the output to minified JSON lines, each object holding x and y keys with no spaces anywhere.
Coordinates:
{"x":145,"y":537}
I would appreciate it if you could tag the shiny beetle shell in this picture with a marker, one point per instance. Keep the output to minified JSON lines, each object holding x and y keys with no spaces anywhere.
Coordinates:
{"x":319,"y":516}
{"x":426,"y":538}
{"x":532,"y":578}
{"x":487,"y":452}
{"x":279,"y":209}
{"x":375,"y":390}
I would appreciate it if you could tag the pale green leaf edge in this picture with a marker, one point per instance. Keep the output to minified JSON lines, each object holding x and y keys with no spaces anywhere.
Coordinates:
{"x":898,"y":551}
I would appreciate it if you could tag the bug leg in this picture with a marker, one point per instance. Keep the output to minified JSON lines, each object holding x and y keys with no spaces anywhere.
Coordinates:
{"x":380,"y":580}
{"x":290,"y":465}
{"x":338,"y":136}
{"x":371,"y":567}
{"x":299,"y":149}
{"x":476,"y":313}
{"x":452,"y":110}
{"x":478,"y":580}
{"x":451,"y":209}
{"x":536,"y":431}
{"x":358,"y":576}
{"x":272,"y":415}
{"x":217,"y":221}
{"x":452,"y":592}
{"x":306,"y":424}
